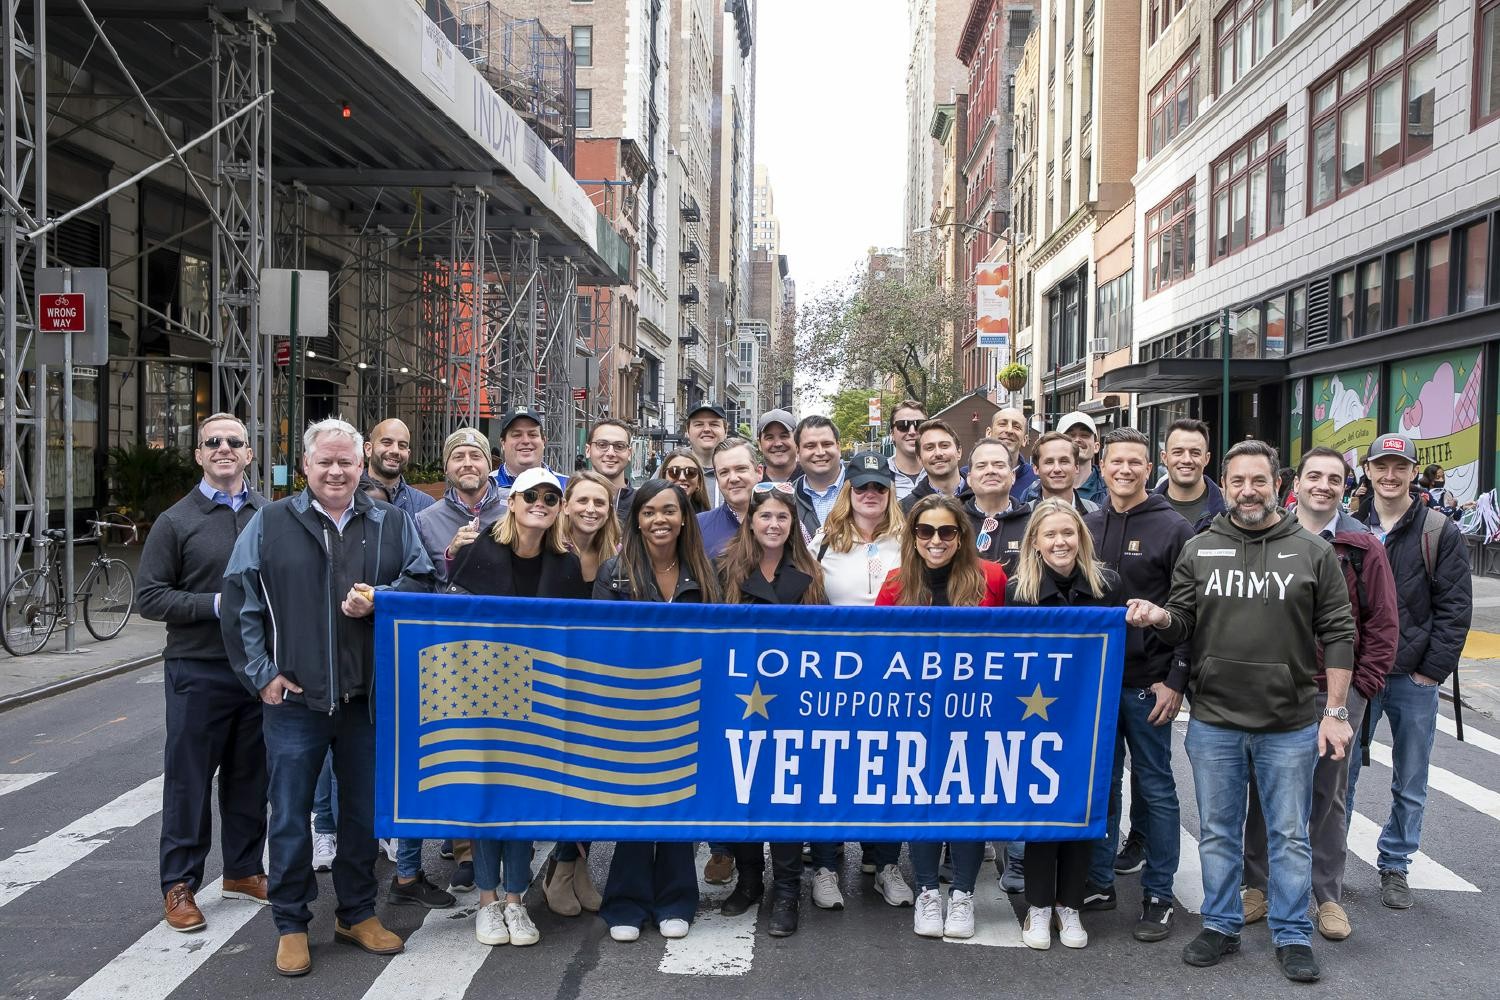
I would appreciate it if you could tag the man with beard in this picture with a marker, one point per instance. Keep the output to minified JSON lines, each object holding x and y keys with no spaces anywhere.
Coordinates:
{"x":1256,"y":595}
{"x":609,"y":455}
{"x":904,"y":463}
{"x":1008,"y":426}
{"x":472,"y":502}
{"x":773,"y":432}
{"x":387,"y":454}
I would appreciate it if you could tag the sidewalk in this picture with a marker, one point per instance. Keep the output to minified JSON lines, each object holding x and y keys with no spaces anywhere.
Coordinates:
{"x":1479,"y":680}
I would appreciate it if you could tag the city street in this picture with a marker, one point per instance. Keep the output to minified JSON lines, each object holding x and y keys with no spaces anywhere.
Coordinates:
{"x":80,"y":912}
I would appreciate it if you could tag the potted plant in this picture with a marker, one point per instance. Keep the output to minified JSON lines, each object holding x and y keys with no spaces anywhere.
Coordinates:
{"x":145,"y":481}
{"x":1013,"y":376}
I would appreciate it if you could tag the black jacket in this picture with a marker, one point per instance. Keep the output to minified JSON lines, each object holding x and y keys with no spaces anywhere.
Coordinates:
{"x":926,"y":489}
{"x":613,"y":584}
{"x":1436,"y":612}
{"x":1072,"y":592}
{"x":1142,"y":545}
{"x":485,"y":568}
{"x":788,"y":587}
{"x":1214,"y":506}
{"x":1005,"y":541}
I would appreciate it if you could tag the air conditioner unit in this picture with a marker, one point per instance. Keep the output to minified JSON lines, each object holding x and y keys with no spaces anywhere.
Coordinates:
{"x":1099,"y":345}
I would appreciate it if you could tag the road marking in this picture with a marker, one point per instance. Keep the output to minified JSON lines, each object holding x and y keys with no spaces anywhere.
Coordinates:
{"x":995,"y":922}
{"x":1472,"y":795}
{"x":1472,"y":736}
{"x":441,"y":957}
{"x":162,"y":959}
{"x":718,"y":945}
{"x":1424,"y":872}
{"x":31,"y":866}
{"x":15,"y":782}
{"x":1187,"y":884}
{"x":1481,"y":645}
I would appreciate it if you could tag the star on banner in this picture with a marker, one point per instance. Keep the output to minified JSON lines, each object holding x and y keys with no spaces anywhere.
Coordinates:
{"x":1035,"y":704}
{"x":756,"y":702}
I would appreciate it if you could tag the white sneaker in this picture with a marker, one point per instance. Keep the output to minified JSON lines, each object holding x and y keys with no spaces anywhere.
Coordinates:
{"x":625,"y":933}
{"x":960,"y":922}
{"x":890,"y":884}
{"x":989,"y":850}
{"x":1070,"y":929}
{"x":489,"y":924}
{"x":325,"y":849}
{"x":389,"y":847}
{"x":674,"y":928}
{"x":825,"y":890}
{"x":1037,"y":931}
{"x":518,"y":922}
{"x":928,"y":920}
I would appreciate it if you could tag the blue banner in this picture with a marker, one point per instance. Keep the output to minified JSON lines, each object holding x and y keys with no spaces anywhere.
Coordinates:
{"x":584,"y":720}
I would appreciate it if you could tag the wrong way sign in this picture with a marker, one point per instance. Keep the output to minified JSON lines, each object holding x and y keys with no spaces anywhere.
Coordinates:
{"x":60,"y":312}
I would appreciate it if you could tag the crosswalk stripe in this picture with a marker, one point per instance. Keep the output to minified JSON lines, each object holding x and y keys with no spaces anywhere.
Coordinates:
{"x":31,"y":866}
{"x":1472,"y":736}
{"x":1470,"y":794}
{"x":442,"y":957}
{"x":718,"y":945}
{"x":15,"y":782}
{"x":1424,"y":872}
{"x":995,"y":922}
{"x":162,"y":959}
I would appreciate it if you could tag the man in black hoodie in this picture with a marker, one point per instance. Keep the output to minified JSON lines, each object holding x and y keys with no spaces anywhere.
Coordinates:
{"x":999,"y":519}
{"x":1257,"y":595}
{"x":1140,"y":536}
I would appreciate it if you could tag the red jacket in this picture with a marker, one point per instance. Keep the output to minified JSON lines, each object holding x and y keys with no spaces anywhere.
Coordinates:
{"x":994,"y":587}
{"x":1372,"y":595}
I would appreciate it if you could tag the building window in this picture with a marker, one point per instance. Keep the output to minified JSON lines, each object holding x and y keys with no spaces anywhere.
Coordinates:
{"x":1438,"y":278}
{"x":1066,"y":320}
{"x":1112,"y":314}
{"x":1487,"y":63}
{"x":1170,"y":240}
{"x":1343,"y":306}
{"x":583,"y":108}
{"x":1371,"y":284}
{"x":1244,"y":34}
{"x":1245,"y":337}
{"x":1161,"y":13}
{"x":1297,"y":320}
{"x":1359,"y":129}
{"x":1275,"y":339}
{"x":1406,"y":287}
{"x":1476,"y":264}
{"x":1174,"y":102}
{"x":583,"y":45}
{"x":1249,"y":189}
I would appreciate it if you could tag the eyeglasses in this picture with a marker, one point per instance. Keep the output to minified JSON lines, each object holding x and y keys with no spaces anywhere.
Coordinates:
{"x":946,"y":532}
{"x":548,"y":497}
{"x":681,"y":472}
{"x":867,"y":487}
{"x":762,"y":488}
{"x":212,"y":444}
{"x":905,"y":426}
{"x":610,"y":445}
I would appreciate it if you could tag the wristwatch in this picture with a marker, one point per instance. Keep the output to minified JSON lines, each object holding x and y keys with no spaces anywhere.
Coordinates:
{"x":1341,"y":713}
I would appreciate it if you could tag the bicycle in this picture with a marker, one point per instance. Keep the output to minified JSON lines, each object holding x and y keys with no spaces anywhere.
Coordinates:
{"x":33,"y":604}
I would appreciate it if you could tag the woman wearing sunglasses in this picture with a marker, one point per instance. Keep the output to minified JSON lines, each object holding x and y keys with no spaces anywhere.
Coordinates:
{"x":857,"y":546}
{"x":940,"y":567}
{"x":681,"y":467}
{"x":1057,"y":569}
{"x":767,"y":562}
{"x":661,"y":559}
{"x":522,"y":555}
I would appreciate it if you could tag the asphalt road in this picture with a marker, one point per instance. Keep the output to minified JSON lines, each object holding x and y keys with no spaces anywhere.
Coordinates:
{"x":80,"y":910}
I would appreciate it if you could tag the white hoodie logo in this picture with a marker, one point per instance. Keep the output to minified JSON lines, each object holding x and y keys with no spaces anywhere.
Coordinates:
{"x":1247,"y":584}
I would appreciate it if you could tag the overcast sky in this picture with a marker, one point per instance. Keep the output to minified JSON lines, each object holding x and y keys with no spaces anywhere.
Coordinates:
{"x":830,"y":127}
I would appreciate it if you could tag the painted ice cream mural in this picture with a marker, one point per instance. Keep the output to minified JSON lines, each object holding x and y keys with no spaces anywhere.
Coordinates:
{"x":1345,"y":412}
{"x":1435,"y":402}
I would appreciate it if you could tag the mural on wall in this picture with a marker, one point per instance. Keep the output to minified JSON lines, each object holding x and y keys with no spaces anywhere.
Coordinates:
{"x":1435,"y":402}
{"x":1346,"y":411}
{"x":1299,"y":395}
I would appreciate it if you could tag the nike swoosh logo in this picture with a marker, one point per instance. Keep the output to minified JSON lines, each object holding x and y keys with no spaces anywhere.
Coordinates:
{"x":1286,"y":555}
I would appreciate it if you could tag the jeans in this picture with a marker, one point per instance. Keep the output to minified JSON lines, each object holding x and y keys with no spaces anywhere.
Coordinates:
{"x":325,"y":799}
{"x":408,"y":858}
{"x":1153,"y":789}
{"x":297,"y":741}
{"x":927,"y":856}
{"x":1283,"y":763}
{"x":786,"y":867}
{"x":650,"y":880}
{"x":488,"y":855}
{"x":1412,"y":709}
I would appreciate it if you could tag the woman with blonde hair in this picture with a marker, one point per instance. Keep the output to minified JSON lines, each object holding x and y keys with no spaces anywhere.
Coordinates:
{"x":590,"y":528}
{"x":682,"y":467}
{"x":1057,"y":569}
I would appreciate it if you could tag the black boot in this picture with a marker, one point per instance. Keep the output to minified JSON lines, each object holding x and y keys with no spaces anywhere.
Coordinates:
{"x":1208,"y":947}
{"x":783,"y":916}
{"x":745,"y":895}
{"x":1297,"y":963}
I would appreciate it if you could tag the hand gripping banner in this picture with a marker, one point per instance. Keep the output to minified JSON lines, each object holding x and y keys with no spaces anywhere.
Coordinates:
{"x":581,"y":720}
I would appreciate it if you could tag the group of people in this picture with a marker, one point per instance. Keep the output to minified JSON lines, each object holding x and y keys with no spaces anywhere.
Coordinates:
{"x":1282,"y":630}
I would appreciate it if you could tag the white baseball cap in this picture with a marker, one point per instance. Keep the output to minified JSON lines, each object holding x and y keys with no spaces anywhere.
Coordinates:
{"x":532,"y":478}
{"x":1077,"y":419}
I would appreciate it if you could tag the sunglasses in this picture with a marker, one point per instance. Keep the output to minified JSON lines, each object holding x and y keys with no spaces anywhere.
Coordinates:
{"x":681,"y":472}
{"x":212,"y":444}
{"x":763,"y":488}
{"x":905,"y":426}
{"x":867,"y":487}
{"x":946,"y":532}
{"x":547,"y":497}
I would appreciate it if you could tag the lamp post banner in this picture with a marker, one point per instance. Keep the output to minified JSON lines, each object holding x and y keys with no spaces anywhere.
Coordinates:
{"x":584,"y":720}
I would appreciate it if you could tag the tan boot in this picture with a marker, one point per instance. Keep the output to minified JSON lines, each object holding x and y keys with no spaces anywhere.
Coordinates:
{"x":583,"y":887}
{"x":292,"y":956}
{"x":558,"y":888}
{"x":371,"y":935}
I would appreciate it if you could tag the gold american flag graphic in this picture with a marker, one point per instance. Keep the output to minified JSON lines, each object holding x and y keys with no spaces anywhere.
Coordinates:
{"x":500,"y":713}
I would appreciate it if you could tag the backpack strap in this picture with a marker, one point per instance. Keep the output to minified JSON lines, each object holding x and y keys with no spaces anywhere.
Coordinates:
{"x":1433,"y":523}
{"x":822,"y":551}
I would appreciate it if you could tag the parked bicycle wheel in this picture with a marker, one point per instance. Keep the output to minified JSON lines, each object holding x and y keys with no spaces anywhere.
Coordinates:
{"x":30,"y":612}
{"x":108,"y":598}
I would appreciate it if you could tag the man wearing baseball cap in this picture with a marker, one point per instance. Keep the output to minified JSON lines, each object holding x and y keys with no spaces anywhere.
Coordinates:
{"x":1085,"y":433}
{"x":472,"y":502}
{"x":778,"y":452}
{"x":522,"y":446}
{"x":707,"y":424}
{"x":1435,"y":597}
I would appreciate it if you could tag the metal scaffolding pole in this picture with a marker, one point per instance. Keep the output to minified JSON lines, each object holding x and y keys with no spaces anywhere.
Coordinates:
{"x":555,"y":360}
{"x":372,"y":362}
{"x":290,"y":237}
{"x":242,"y":199}
{"x":466,"y":304}
{"x":432,"y":338}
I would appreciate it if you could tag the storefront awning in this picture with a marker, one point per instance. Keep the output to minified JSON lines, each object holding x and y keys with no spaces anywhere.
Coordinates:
{"x":1198,"y":375}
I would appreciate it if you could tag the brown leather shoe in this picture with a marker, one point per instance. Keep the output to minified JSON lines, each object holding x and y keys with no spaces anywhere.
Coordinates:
{"x":182,"y":909}
{"x":292,"y":956}
{"x":251,"y":887}
{"x":370,"y":935}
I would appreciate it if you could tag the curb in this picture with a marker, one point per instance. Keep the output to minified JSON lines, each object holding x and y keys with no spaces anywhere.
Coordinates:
{"x":72,"y":683}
